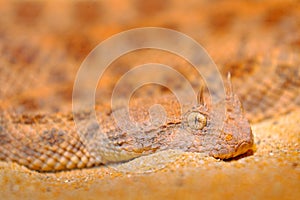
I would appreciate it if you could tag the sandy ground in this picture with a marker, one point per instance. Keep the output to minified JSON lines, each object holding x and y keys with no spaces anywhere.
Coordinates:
{"x":271,"y":172}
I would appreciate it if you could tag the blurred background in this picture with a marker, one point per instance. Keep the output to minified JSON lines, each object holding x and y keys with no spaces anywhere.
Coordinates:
{"x":43,"y":43}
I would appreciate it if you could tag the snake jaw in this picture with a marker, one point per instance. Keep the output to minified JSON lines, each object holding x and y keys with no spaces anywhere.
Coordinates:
{"x":243,"y":147}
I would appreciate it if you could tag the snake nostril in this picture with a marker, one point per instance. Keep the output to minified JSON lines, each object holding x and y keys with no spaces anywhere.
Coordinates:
{"x":228,"y":137}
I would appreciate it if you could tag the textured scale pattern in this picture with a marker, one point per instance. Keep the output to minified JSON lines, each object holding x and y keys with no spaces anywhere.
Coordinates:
{"x":42,"y":44}
{"x":26,"y":140}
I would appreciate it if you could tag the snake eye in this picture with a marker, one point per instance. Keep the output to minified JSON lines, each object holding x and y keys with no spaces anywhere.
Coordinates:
{"x":196,"y":120}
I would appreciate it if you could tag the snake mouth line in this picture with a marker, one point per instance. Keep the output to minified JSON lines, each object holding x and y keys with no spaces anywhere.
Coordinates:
{"x":243,"y":149}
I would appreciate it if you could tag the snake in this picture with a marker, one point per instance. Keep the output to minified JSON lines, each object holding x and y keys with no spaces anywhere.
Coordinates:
{"x":41,"y":148}
{"x":51,"y":142}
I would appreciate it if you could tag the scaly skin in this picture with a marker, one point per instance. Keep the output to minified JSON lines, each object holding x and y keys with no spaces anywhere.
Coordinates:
{"x":51,"y":143}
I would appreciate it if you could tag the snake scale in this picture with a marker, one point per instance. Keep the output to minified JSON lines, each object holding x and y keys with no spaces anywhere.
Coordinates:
{"x":41,"y":135}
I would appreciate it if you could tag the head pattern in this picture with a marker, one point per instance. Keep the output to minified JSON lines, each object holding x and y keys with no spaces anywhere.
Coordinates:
{"x":232,"y":138}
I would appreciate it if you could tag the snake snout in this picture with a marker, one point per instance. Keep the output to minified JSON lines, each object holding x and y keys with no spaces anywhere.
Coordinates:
{"x":243,"y":147}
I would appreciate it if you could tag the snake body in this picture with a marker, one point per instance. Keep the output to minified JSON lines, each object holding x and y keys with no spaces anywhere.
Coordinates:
{"x":29,"y":140}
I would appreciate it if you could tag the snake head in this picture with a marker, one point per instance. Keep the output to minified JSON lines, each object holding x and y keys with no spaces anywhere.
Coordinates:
{"x":228,"y":139}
